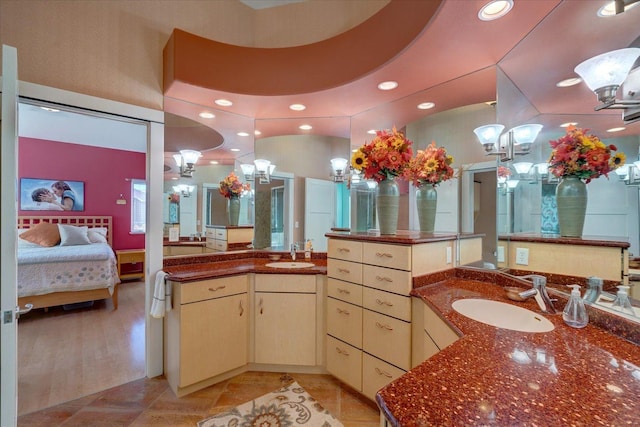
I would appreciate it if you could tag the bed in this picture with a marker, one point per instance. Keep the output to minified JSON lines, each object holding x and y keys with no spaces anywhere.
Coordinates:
{"x":68,"y":272}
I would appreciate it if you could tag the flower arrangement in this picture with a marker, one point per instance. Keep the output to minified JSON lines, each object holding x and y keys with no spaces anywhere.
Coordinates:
{"x":430,"y":166}
{"x":583,"y":155}
{"x":386,"y":156}
{"x":232,"y":187}
{"x":174,"y":198}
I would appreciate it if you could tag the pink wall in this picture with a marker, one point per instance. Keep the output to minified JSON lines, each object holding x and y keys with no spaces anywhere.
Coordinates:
{"x":104,"y":172}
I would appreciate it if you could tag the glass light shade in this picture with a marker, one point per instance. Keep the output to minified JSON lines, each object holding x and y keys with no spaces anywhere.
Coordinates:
{"x":607,"y":69}
{"x":338,"y":164}
{"x":247,"y":169}
{"x":543,"y":168}
{"x":272,"y":167}
{"x":178,"y":159}
{"x":262,"y":165}
{"x":526,"y":134}
{"x":637,"y":164}
{"x":488,"y":134}
{"x":622,"y":172}
{"x":522,"y":167}
{"x":190,"y":156}
{"x":512,"y":183}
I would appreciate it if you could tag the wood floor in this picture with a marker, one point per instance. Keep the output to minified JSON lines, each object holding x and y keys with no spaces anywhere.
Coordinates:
{"x":150,"y":402}
{"x":64,"y":355}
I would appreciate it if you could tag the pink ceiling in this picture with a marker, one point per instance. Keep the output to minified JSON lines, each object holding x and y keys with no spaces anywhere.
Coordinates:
{"x":450,"y":58}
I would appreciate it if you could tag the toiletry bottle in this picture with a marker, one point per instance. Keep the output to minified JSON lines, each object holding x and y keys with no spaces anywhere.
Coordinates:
{"x":574,"y":313}
{"x":594,"y":289}
{"x":622,"y":302}
{"x":307,"y":249}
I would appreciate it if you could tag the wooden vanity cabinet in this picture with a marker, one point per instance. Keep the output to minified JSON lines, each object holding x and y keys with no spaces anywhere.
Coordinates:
{"x":430,"y":334}
{"x":206,"y":332}
{"x":285,"y":319}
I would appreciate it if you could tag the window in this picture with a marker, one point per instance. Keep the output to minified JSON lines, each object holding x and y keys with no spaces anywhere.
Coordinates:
{"x":138,"y":206}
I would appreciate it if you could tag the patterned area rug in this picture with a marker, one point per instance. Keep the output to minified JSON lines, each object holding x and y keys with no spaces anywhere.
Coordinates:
{"x":287,"y":407}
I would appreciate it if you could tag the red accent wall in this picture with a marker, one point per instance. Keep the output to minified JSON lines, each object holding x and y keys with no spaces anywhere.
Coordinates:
{"x":104,"y":172}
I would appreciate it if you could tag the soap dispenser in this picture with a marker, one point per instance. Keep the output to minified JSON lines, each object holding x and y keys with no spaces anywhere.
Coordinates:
{"x":594,"y":289}
{"x":622,"y":302}
{"x":574,"y":313}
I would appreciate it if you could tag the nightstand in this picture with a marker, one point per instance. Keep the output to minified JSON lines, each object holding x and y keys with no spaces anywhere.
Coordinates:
{"x":130,"y":256}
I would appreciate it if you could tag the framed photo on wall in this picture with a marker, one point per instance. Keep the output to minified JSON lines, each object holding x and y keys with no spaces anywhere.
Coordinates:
{"x":37,"y":194}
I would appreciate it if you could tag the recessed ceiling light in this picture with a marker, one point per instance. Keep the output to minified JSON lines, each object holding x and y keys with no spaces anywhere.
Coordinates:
{"x":566,"y":125}
{"x":213,"y":162}
{"x":388,"y":85}
{"x":354,"y":150}
{"x":609,"y":9}
{"x":207,"y":115}
{"x":234,"y":149}
{"x":371,"y":131}
{"x":426,"y":105}
{"x":242,"y":134}
{"x":305,"y":127}
{"x":257,"y":132}
{"x":495,"y":9}
{"x":223,"y":102}
{"x":569,"y":82}
{"x":297,"y":107}
{"x":51,"y":110}
{"x":618,"y":129}
{"x":175,"y":178}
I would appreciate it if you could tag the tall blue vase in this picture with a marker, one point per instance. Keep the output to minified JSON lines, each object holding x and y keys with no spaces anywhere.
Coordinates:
{"x":387,"y":203}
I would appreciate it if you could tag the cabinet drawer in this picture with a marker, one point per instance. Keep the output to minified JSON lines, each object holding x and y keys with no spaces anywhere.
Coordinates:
{"x":344,"y":362}
{"x":392,"y":256}
{"x":387,"y":338}
{"x":344,"y":270}
{"x":344,"y":321}
{"x":387,"y":303}
{"x":387,"y":279}
{"x":285,"y":283}
{"x":345,"y":291}
{"x":220,"y":245}
{"x":377,"y":374}
{"x":438,"y":329}
{"x":345,"y":249}
{"x":213,"y":288}
{"x":220,"y":233}
{"x":210,"y":233}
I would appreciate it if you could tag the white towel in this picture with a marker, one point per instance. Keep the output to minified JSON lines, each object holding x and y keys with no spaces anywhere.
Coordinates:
{"x":161,"y":296}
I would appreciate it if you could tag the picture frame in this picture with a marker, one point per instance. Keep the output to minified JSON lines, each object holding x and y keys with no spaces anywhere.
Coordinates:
{"x":41,"y":194}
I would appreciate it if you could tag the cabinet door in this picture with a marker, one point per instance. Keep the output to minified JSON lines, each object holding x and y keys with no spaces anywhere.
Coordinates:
{"x":213,"y":338}
{"x":285,"y":328}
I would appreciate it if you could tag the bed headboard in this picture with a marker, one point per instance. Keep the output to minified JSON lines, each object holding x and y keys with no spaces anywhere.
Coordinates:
{"x":89,"y":221}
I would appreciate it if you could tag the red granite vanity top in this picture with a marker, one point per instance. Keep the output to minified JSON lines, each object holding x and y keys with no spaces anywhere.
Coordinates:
{"x":493,"y":376}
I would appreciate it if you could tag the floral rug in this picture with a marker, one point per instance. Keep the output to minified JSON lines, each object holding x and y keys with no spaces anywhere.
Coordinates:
{"x":288,"y":406}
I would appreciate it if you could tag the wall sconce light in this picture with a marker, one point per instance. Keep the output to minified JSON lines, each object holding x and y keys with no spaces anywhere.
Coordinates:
{"x":264,"y":170}
{"x":247,"y":171}
{"x":339,"y":165}
{"x":630,"y":173}
{"x":184,"y":190}
{"x":522,"y":168}
{"x":605,"y":73}
{"x":186,"y":161}
{"x":520,"y":136}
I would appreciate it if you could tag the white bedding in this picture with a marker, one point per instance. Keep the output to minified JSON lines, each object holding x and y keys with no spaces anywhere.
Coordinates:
{"x":66,"y":268}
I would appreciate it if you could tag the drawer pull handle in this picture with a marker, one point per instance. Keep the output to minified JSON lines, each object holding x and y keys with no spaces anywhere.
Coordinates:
{"x":381,"y":372}
{"x":384,"y":255}
{"x":381,"y":326}
{"x":260,"y":305}
{"x":217,"y":289}
{"x":341,"y":311}
{"x":384,"y":279}
{"x":387,"y":303}
{"x":344,"y":250}
{"x":343,"y":352}
{"x":344,"y":270}
{"x":344,"y":291}
{"x":241,"y":309}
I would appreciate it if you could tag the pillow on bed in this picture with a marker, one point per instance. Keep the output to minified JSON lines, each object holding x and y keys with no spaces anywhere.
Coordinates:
{"x":71,"y":235}
{"x":44,"y":234}
{"x":97,"y":235}
{"x":21,"y":243}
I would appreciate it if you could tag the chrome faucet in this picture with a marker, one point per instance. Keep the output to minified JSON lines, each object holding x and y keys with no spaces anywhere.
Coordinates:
{"x":539,"y":291}
{"x":294,"y":248}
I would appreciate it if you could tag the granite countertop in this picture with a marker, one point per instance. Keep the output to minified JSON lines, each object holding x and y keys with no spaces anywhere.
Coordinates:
{"x":604,"y":241}
{"x":402,"y":237}
{"x":493,"y":376}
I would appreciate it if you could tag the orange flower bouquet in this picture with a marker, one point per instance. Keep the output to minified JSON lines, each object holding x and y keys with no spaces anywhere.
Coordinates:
{"x":431,"y":166}
{"x":583,"y":155}
{"x":232,"y":187}
{"x":386,"y":156}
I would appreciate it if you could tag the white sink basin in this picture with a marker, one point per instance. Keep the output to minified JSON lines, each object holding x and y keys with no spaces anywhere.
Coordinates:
{"x":290,"y":264}
{"x":502,"y":315}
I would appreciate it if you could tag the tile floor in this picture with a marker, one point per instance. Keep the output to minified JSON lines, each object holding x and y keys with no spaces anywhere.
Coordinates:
{"x":150,"y":402}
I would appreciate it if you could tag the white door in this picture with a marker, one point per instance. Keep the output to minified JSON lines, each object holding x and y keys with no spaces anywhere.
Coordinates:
{"x":319,"y":211}
{"x":8,"y":262}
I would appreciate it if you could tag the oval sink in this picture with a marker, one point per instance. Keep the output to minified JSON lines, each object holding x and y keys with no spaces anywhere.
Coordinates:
{"x":290,"y":264}
{"x":502,"y":315}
